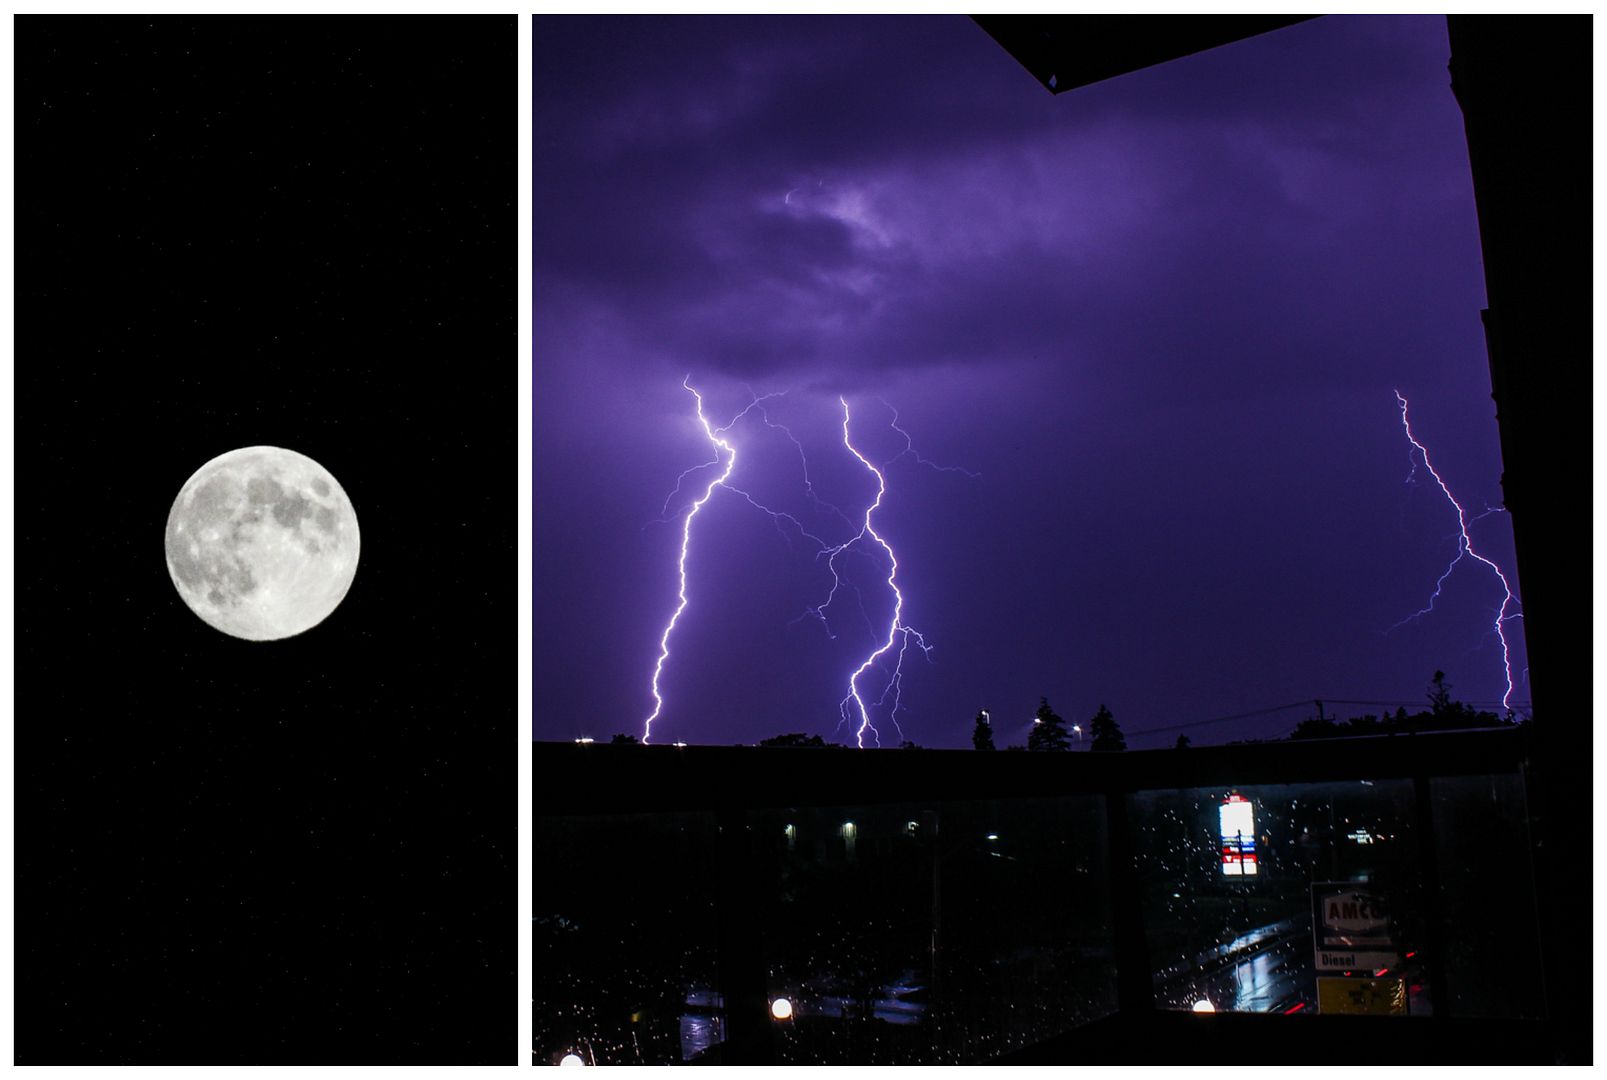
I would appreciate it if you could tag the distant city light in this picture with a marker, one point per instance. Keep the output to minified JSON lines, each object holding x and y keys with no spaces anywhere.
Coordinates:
{"x":993,"y":836}
{"x":781,"y":1008}
{"x":581,"y":741}
{"x":571,"y":1059}
{"x":680,"y":744}
{"x":1237,"y":818}
{"x":1204,"y":1005}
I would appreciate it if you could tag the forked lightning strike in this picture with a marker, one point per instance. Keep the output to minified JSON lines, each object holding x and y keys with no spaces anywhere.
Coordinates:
{"x":896,"y":629}
{"x":853,"y":707}
{"x":721,"y":446}
{"x":1464,"y":547}
{"x":686,"y":540}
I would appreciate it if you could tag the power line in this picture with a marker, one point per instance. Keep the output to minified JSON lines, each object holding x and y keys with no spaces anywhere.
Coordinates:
{"x":1419,"y":704}
{"x":1223,"y":719}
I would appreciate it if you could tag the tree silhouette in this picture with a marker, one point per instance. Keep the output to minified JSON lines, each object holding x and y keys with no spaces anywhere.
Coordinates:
{"x":796,"y":738}
{"x":1184,"y":742}
{"x":1048,"y":730}
{"x":982,"y":734}
{"x":1107,"y":734}
{"x":1439,"y":695}
{"x":1443,"y":714}
{"x":1316,"y":727}
{"x":625,"y":740}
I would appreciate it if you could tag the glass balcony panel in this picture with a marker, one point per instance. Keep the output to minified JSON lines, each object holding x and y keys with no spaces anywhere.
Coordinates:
{"x":1492,"y":953}
{"x":1226,"y":879}
{"x":625,"y":976}
{"x":935,"y":933}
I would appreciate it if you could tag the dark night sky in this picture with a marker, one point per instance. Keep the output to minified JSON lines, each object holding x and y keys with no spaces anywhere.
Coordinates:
{"x":297,"y":233}
{"x":1161,"y":317}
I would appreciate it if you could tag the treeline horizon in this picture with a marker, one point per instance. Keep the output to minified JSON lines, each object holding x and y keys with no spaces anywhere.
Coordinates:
{"x":1050,"y":733}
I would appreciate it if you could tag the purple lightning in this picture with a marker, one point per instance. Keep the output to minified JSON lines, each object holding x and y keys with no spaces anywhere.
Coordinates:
{"x":896,"y":628}
{"x":720,"y":444}
{"x":1464,"y":547}
{"x":854,"y":705}
{"x":803,"y":458}
{"x":686,"y":541}
{"x":909,"y":449}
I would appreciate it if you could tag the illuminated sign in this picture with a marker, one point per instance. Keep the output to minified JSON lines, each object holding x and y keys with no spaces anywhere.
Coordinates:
{"x":1237,"y":818}
{"x":1351,"y":927}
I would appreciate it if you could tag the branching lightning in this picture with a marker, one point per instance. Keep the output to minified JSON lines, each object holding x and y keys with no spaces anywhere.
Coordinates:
{"x":719,"y":444}
{"x":803,"y":458}
{"x":722,"y":446}
{"x":1464,"y":548}
{"x":909,"y":450}
{"x":854,"y":708}
{"x":854,"y":703}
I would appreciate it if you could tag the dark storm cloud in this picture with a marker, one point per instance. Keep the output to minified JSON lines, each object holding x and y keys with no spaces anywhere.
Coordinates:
{"x":850,"y":193}
{"x":769,"y":91}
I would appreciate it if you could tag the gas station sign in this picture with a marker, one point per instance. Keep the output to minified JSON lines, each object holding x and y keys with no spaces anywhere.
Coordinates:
{"x":1236,"y":821}
{"x":1351,"y":928}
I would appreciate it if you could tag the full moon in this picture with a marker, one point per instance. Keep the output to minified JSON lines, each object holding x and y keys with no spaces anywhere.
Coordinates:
{"x":262,"y":543}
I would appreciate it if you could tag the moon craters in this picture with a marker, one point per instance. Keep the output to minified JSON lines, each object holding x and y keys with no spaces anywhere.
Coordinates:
{"x":262,"y":543}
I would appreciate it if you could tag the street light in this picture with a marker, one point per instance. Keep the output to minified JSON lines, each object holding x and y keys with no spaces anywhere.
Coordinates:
{"x":781,"y":1009}
{"x":1204,"y":1005}
{"x":571,"y":1059}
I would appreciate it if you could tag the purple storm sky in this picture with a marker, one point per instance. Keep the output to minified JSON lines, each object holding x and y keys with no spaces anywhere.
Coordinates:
{"x":1162,"y":318}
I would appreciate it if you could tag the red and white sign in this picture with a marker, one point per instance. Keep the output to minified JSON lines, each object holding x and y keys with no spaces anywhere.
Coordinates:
{"x":1236,"y":819}
{"x":1351,"y":928}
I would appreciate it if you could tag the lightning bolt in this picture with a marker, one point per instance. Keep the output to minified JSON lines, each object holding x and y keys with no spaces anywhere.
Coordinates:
{"x":854,"y":706}
{"x":719,"y":444}
{"x":854,"y":702}
{"x":1464,"y":548}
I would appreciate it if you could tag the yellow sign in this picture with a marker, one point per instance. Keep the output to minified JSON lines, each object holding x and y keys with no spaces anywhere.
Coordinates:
{"x":1377,"y":997}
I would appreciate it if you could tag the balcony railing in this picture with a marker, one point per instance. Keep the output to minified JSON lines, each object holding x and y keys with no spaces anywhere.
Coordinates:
{"x":919,"y":906}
